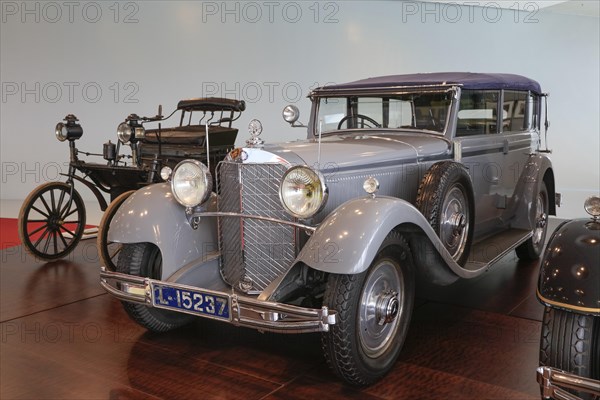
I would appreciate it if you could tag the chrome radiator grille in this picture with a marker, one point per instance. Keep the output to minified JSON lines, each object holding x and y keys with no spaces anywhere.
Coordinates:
{"x":253,"y":251}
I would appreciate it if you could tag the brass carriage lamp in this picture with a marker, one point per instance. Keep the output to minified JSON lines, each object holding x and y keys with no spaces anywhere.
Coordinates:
{"x":131,"y":130}
{"x":69,"y":129}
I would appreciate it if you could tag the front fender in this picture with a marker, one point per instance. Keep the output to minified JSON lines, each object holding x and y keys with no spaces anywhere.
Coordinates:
{"x":152,"y":215}
{"x":538,"y":169}
{"x":570,"y":270}
{"x":347,"y":241}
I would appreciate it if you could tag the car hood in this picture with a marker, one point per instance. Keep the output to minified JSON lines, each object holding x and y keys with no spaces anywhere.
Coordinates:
{"x":348,"y":151}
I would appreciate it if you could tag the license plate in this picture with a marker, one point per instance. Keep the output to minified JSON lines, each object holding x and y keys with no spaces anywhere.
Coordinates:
{"x":191,"y":301}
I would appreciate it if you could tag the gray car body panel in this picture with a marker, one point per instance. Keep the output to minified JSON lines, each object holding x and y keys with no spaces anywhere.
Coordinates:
{"x":152,"y":215}
{"x":347,"y":241}
{"x":351,"y":253}
{"x":398,"y":159}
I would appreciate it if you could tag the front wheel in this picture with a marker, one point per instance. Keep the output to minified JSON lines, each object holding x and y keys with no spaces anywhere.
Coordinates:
{"x":52,"y":221}
{"x":109,"y":251}
{"x":374,"y":310}
{"x":144,"y":259}
{"x":571,"y":342}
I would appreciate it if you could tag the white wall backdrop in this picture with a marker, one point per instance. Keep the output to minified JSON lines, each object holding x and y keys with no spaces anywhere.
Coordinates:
{"x":104,"y":60}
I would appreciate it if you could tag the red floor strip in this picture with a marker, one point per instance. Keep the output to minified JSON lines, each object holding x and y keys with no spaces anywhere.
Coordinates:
{"x":9,"y":232}
{"x":9,"y":236}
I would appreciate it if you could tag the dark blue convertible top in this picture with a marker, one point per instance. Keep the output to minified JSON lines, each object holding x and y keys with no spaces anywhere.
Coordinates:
{"x":468,"y":80}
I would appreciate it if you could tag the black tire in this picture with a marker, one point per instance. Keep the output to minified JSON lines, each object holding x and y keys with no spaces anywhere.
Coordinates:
{"x":358,"y":349}
{"x":109,"y":252}
{"x":571,"y":342}
{"x":57,"y":211}
{"x":533,"y":247}
{"x":144,"y":259}
{"x":445,"y":198}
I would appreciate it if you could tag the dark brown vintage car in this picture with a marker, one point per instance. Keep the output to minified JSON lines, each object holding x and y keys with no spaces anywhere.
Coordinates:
{"x":52,"y":218}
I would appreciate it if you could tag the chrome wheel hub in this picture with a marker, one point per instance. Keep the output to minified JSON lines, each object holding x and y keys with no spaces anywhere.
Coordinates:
{"x":387,"y":308}
{"x":380,"y":308}
{"x":541,"y":220}
{"x":454,"y":222}
{"x":458,"y":222}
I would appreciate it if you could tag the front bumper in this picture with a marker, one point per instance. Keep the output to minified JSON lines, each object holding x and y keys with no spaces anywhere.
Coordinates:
{"x":553,"y":383}
{"x":245,"y":311}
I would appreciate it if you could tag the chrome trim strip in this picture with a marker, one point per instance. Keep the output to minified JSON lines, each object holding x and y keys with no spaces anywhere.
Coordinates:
{"x":262,"y":218}
{"x":552,"y":381}
{"x":245,"y":311}
{"x":123,"y":279}
{"x":398,"y":89}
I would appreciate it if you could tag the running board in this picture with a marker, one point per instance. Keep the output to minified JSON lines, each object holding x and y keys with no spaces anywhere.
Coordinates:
{"x":487,"y":252}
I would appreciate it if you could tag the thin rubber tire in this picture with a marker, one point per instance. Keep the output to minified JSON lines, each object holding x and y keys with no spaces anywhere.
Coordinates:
{"x":58,"y":207}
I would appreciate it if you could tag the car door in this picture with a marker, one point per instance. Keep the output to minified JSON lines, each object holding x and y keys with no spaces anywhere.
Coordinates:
{"x":520,"y":137}
{"x":483,"y":153}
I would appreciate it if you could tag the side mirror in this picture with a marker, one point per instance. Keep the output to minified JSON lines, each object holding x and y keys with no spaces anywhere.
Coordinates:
{"x":290,"y":114}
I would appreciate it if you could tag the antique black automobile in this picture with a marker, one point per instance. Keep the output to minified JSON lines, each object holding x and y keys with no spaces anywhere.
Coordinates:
{"x":52,"y":218}
{"x":569,"y":288}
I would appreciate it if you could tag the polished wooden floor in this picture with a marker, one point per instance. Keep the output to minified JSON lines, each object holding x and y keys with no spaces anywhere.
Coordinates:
{"x":62,"y":337}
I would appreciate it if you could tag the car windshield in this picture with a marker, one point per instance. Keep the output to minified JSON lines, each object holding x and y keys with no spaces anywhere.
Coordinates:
{"x":422,"y":111}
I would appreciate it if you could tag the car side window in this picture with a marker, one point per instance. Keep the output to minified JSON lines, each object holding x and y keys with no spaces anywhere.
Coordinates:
{"x":516,"y":111}
{"x":477,"y":113}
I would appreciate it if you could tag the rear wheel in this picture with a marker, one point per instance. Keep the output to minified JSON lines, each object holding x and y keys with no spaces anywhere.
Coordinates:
{"x":109,"y":251}
{"x":571,"y":342}
{"x":532,"y":248}
{"x":52,"y":221}
{"x":374,"y":310}
{"x":144,"y":259}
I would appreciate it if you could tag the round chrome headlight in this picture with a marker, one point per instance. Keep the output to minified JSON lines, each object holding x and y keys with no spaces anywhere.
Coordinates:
{"x":191,"y":183}
{"x":61,"y":132}
{"x":303,"y":192}
{"x":124,"y":132}
{"x":592,"y":206}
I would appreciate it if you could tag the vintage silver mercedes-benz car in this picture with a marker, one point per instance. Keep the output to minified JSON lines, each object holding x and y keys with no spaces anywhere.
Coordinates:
{"x":430,"y":176}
